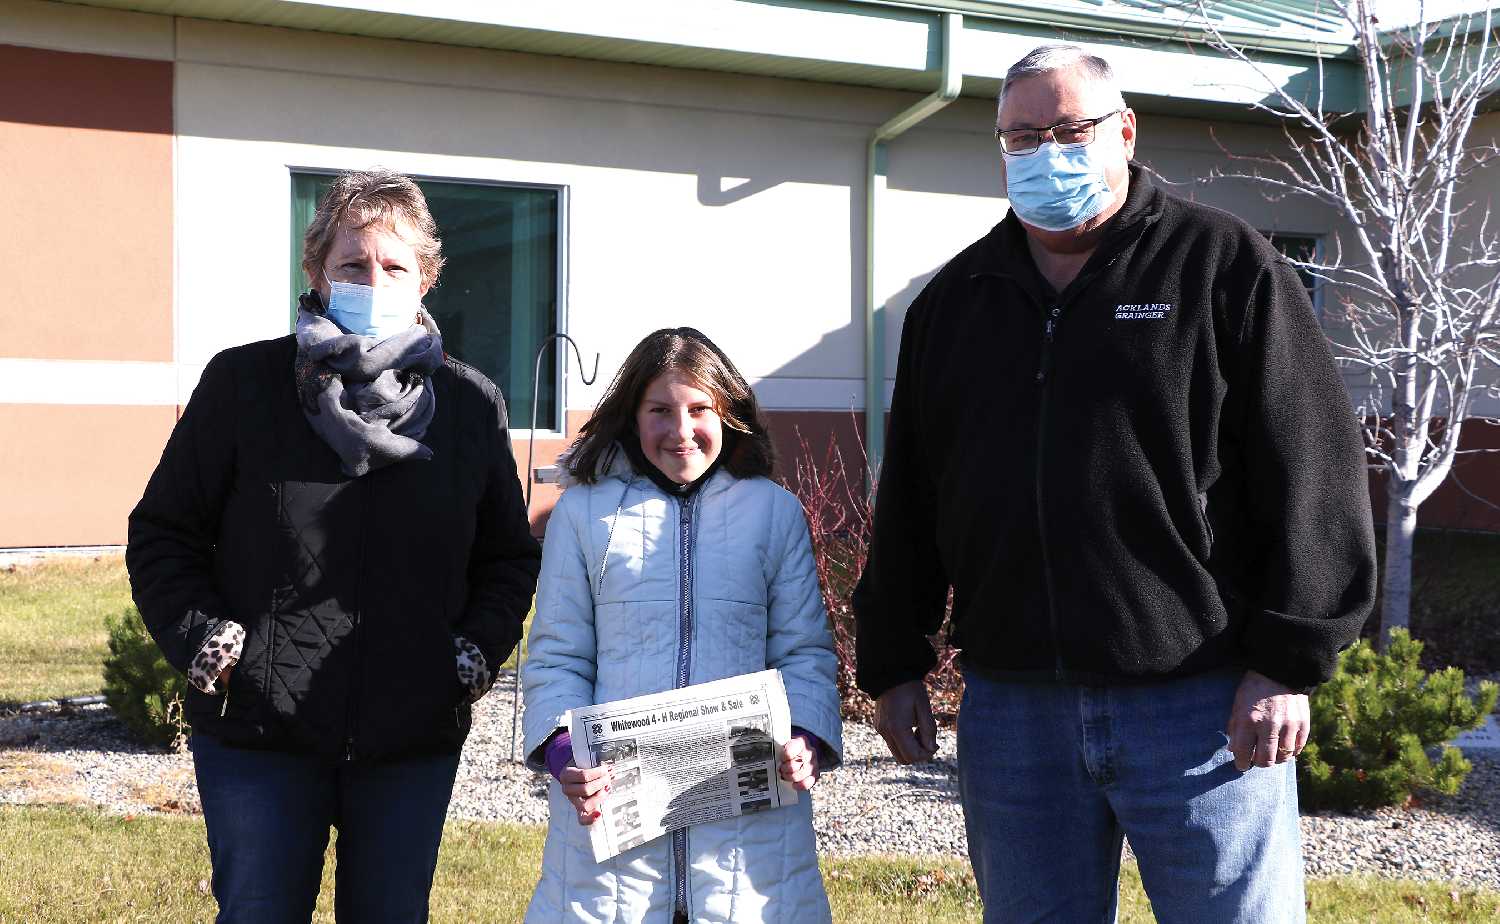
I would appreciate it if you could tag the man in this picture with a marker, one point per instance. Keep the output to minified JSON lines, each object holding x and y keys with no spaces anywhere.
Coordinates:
{"x":1118,"y":435}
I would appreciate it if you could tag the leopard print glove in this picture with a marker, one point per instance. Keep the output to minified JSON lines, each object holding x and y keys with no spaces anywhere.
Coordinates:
{"x":220,"y":650}
{"x":473,"y":671}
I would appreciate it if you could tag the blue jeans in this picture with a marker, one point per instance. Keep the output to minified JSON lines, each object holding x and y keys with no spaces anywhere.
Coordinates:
{"x":268,"y":815}
{"x":1052,"y":776}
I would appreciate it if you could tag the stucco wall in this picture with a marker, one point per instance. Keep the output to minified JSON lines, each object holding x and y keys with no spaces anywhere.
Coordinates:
{"x":728,"y":202}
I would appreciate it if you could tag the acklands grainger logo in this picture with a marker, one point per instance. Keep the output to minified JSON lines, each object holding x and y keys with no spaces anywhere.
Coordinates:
{"x":1153,"y":311}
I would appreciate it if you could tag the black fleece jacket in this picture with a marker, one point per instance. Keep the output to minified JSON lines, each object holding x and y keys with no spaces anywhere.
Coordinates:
{"x":1153,"y":473}
{"x":350,"y":590}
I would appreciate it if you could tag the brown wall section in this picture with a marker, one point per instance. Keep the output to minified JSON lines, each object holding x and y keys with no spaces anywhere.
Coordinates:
{"x":85,"y":206}
{"x":79,"y":469}
{"x":1470,"y":498}
{"x":544,"y":496}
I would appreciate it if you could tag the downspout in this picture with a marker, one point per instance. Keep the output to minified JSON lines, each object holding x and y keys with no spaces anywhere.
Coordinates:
{"x":875,"y":162}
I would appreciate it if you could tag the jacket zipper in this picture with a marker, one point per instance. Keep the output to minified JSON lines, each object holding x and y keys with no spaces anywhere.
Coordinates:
{"x":1043,"y":373}
{"x":684,"y":665}
{"x":351,"y":709}
{"x":1044,"y":366}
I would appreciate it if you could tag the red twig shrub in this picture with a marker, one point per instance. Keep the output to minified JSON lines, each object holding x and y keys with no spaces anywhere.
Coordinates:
{"x":840,"y":520}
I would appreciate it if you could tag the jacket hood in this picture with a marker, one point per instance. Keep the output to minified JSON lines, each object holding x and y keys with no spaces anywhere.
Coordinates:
{"x":613,"y":464}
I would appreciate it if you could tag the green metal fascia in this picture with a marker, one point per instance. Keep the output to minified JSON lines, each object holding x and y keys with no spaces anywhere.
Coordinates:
{"x":1121,"y":23}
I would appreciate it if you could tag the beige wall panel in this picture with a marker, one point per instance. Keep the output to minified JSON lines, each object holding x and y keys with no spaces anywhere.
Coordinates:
{"x":72,"y":27}
{"x":78,"y":471}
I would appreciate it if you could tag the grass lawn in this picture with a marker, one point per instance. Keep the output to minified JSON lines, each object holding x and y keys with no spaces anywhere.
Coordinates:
{"x":67,"y":865}
{"x":52,"y":638}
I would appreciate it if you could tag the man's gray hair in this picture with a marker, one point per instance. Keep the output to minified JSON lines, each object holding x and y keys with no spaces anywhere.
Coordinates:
{"x":1047,"y":58}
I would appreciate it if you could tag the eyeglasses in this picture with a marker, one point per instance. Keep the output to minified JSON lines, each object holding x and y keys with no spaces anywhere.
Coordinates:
{"x":1070,"y":134}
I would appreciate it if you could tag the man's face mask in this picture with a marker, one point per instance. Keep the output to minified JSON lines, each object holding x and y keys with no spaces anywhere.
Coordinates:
{"x":1056,"y":188}
{"x":371,"y":312}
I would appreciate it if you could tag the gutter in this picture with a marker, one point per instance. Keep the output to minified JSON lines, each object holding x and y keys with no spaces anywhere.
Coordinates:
{"x":950,"y":85}
{"x":1127,"y":23}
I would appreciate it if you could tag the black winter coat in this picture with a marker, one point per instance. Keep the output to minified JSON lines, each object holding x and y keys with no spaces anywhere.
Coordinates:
{"x":1153,"y":473}
{"x":350,"y":589}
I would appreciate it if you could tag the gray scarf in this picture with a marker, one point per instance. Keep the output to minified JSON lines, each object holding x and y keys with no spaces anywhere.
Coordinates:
{"x":370,"y":401}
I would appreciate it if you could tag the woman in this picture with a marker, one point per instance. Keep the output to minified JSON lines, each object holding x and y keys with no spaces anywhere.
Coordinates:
{"x":334,"y":549}
{"x":673,"y":559}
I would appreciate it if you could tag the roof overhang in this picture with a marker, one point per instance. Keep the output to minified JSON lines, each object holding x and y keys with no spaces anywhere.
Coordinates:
{"x":1163,"y":63}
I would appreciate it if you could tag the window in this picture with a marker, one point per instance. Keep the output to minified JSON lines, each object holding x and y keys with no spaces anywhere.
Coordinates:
{"x":497,"y":297}
{"x":1301,"y":248}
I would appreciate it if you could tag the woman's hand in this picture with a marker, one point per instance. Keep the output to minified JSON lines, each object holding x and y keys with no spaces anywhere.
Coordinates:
{"x":585,"y":789}
{"x":799,"y":763}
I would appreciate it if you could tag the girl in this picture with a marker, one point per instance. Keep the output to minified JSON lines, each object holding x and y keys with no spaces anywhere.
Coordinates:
{"x":671,"y":560}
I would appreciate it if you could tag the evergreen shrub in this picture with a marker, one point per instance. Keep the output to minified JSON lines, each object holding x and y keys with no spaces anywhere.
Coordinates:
{"x":1380,"y":727}
{"x":142,"y":689}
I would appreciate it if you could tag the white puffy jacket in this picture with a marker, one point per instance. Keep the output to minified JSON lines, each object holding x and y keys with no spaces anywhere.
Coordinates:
{"x":613,"y":602}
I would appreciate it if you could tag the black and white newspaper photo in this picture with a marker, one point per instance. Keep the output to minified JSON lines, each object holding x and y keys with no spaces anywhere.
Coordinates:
{"x":694,"y":754}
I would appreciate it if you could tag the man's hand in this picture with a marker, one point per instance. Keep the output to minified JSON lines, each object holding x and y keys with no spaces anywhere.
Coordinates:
{"x":903,"y":716}
{"x":1267,"y":724}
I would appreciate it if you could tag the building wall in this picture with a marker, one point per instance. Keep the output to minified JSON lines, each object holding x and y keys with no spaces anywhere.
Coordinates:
{"x":86,"y":317}
{"x":728,"y":202}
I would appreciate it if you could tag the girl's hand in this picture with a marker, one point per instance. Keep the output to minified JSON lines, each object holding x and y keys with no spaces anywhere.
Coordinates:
{"x":585,"y":789}
{"x":799,"y":764}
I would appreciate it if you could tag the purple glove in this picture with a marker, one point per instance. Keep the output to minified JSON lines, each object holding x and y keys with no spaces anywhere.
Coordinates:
{"x":559,"y":754}
{"x":813,"y":741}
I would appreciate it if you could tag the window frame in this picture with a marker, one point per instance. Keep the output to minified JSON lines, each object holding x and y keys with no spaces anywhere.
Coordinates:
{"x":546,"y":429}
{"x":1316,"y":295}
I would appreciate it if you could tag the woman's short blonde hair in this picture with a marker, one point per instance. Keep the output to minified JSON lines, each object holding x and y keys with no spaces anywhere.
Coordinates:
{"x":362,"y":198}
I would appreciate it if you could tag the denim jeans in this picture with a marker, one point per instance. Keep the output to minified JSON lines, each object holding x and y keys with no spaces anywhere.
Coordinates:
{"x":1052,"y":776}
{"x":268,"y":815}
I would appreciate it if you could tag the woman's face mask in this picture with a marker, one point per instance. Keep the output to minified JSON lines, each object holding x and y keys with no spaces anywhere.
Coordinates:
{"x":1056,"y":188}
{"x":374,"y":281}
{"x":369,"y":311}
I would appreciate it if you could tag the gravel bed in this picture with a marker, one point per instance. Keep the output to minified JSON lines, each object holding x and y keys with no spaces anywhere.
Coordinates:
{"x":869,"y":805}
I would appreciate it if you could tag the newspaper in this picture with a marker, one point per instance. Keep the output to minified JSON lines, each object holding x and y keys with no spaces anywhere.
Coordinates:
{"x":685,"y":756}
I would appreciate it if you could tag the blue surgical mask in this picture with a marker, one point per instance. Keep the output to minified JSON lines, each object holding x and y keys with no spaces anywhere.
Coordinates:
{"x":370,"y":312}
{"x":1056,"y":188}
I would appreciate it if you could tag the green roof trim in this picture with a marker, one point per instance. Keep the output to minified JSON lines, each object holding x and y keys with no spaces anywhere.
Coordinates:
{"x":1158,"y":46}
{"x":1305,"y":27}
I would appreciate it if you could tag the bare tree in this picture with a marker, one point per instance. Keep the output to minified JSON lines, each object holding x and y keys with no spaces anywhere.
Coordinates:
{"x":1416,"y":266}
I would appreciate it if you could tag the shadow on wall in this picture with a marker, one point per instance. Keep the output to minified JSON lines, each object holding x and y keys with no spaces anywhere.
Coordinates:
{"x":819,"y":436}
{"x":98,"y":92}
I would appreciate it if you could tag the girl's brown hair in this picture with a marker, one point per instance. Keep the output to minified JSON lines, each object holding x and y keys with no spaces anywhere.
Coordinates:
{"x":747,"y":444}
